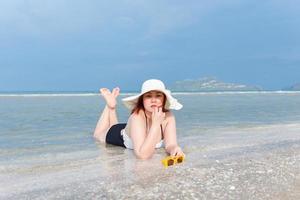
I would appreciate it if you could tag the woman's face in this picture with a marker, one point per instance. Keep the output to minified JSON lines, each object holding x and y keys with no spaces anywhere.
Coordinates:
{"x":152,"y":100}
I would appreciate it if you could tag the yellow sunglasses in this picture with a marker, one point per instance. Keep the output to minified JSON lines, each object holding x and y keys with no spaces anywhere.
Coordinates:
{"x":172,"y":160}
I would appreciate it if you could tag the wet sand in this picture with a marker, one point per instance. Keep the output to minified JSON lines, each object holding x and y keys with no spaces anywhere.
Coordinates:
{"x":255,"y":163}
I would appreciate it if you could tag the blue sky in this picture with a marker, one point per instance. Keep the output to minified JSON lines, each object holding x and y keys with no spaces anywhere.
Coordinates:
{"x":64,"y":45}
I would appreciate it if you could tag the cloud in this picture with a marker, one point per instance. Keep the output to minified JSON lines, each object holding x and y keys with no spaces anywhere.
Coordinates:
{"x":58,"y":17}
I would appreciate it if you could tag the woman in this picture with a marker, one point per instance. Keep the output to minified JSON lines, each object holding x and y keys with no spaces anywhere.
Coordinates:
{"x":151,"y":123}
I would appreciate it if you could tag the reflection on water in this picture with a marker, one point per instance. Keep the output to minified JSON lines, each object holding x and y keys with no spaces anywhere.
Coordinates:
{"x":47,"y":148}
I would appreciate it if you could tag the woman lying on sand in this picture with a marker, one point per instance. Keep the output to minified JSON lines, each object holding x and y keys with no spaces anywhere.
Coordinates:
{"x":151,"y":123}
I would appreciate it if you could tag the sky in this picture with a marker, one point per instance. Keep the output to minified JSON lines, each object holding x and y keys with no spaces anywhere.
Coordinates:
{"x":72,"y":45}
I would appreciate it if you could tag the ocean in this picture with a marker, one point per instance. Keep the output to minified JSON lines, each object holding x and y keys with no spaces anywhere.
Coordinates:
{"x":47,"y":150}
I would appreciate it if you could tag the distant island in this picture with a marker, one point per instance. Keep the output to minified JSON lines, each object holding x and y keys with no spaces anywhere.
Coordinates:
{"x":295,"y":87}
{"x":208,"y":84}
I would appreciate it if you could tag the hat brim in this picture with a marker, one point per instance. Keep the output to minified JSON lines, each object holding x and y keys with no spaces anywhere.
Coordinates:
{"x":171,"y":103}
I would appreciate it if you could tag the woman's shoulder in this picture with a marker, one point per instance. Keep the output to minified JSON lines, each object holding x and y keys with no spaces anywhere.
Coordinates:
{"x":169,"y":114}
{"x":136,"y":116}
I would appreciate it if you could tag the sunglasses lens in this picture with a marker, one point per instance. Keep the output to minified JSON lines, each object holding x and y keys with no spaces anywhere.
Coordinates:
{"x":170,"y":162}
{"x":179,"y":160}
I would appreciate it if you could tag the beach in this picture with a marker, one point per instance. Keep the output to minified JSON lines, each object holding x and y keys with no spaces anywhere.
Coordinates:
{"x":237,"y":146}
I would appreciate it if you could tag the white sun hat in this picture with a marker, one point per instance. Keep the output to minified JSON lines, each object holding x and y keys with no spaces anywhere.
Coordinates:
{"x":149,"y":85}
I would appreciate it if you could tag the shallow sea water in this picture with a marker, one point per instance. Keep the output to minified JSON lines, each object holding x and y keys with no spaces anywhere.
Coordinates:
{"x":237,"y":146}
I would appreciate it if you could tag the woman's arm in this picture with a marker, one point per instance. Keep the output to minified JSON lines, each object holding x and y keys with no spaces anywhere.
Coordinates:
{"x":143,"y":143}
{"x":170,"y":137}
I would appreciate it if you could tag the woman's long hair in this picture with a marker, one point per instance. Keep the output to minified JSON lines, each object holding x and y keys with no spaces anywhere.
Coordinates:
{"x":140,"y":106}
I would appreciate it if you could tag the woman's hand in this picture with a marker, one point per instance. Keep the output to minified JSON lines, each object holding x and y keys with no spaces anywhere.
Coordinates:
{"x":158,"y":116}
{"x":176,"y":151}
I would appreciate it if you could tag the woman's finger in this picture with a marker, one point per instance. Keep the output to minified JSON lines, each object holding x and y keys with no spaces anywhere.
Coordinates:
{"x":154,"y":111}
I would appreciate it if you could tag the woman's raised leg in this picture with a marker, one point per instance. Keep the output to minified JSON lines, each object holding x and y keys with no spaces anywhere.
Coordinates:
{"x":109,"y":116}
{"x":113,"y":119}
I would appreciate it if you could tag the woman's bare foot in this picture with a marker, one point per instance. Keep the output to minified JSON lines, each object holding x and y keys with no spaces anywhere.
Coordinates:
{"x":116,"y":92}
{"x":109,"y":97}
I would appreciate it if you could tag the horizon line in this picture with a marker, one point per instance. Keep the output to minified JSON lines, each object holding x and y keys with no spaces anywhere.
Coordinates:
{"x":44,"y":94}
